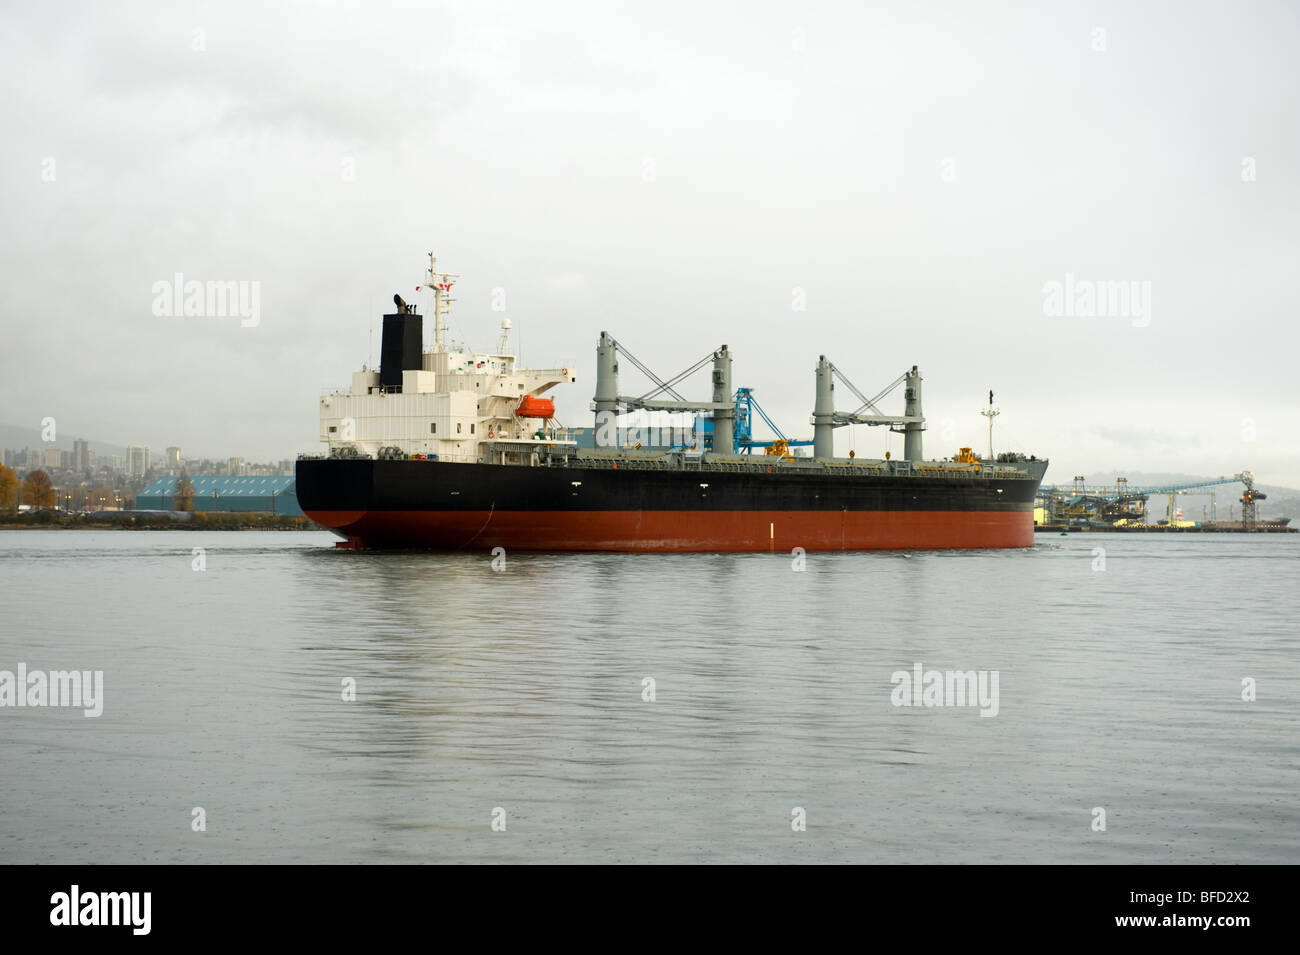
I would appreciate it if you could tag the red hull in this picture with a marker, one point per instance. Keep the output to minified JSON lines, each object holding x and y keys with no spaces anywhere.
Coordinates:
{"x":682,"y":531}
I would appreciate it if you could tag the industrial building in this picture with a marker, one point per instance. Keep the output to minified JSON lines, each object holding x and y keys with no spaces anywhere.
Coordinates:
{"x":271,"y":495}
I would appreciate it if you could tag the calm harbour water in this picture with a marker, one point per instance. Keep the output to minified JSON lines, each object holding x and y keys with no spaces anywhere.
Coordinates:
{"x":1119,"y":688}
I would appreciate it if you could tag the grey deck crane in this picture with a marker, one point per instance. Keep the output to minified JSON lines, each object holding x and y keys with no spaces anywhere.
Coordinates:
{"x":825,"y":418}
{"x":609,"y":402}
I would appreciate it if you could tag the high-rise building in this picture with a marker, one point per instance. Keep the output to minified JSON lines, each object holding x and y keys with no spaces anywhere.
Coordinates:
{"x":235,"y":467}
{"x":172,"y":458}
{"x":81,"y":455}
{"x":137,"y":460}
{"x":53,"y":458}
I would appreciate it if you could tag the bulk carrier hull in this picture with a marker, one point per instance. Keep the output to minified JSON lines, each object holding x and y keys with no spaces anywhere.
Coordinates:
{"x":622,"y":505}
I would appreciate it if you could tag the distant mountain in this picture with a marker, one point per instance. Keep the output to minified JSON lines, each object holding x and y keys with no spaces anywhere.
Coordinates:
{"x":1281,"y":502}
{"x":17,"y":438}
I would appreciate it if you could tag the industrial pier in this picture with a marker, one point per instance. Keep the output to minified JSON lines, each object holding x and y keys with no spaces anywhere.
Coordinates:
{"x":1122,"y":508}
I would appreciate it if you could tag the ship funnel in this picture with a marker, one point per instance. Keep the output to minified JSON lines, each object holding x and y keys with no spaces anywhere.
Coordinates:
{"x":402,"y":347}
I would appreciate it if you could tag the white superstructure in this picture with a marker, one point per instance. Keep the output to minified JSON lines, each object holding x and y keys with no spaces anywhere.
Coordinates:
{"x":458,"y":405}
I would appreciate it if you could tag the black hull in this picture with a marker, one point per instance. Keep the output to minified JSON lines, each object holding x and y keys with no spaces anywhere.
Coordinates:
{"x":445,"y":504}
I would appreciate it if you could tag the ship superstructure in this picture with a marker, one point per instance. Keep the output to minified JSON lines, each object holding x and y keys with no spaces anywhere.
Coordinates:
{"x":444,"y":403}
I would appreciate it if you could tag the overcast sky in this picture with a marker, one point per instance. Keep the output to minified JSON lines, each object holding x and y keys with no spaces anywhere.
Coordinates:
{"x":672,"y":173}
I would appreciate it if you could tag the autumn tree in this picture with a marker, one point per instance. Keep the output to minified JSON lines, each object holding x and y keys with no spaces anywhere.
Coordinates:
{"x":183,"y":496}
{"x":8,"y":489}
{"x":38,"y":492}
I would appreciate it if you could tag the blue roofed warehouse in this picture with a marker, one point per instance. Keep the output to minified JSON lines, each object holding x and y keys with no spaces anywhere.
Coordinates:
{"x":272,"y":495}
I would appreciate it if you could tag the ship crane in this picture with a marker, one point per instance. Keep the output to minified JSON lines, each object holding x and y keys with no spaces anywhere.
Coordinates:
{"x":608,"y":402}
{"x":825,"y":418}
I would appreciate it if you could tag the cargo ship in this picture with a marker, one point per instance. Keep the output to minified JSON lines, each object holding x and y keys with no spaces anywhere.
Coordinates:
{"x":451,"y":449}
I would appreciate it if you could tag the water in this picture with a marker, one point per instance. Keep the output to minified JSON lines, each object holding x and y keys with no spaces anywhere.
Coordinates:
{"x":522,"y":690}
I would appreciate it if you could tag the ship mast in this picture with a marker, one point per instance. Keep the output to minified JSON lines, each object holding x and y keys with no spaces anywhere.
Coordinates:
{"x":991,"y":413}
{"x":441,"y":283}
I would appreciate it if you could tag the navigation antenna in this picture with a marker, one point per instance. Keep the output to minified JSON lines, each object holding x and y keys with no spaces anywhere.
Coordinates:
{"x":991,"y":413}
{"x":441,"y":283}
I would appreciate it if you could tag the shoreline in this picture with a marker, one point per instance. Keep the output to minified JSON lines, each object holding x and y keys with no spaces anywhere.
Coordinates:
{"x":222,"y":521}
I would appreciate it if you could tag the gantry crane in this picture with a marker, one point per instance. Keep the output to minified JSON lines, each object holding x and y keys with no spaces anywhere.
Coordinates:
{"x":1248,"y":499}
{"x":746,"y":405}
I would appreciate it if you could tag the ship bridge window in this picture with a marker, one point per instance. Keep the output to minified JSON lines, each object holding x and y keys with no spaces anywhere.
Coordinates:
{"x":433,"y":427}
{"x":458,"y":427}
{"x":471,"y":431}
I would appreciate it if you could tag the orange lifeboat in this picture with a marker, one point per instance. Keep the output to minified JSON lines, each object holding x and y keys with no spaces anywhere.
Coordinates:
{"x":530,"y":407}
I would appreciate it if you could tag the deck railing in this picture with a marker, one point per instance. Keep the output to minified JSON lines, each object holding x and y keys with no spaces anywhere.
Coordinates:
{"x":808,"y":466}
